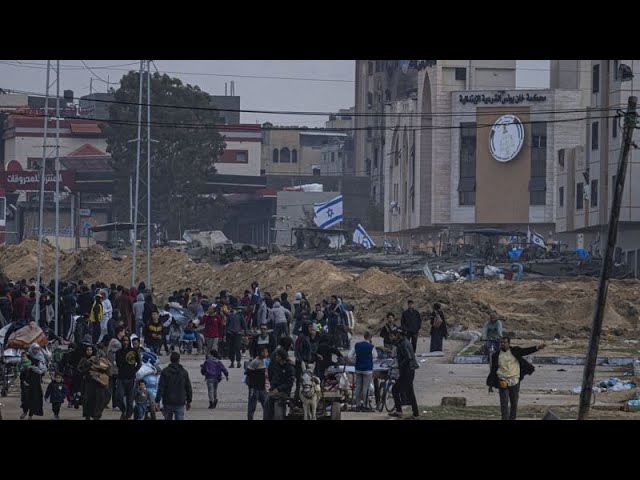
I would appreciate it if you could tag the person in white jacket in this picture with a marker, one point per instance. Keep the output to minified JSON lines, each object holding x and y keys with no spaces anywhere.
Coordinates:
{"x":107,"y":312}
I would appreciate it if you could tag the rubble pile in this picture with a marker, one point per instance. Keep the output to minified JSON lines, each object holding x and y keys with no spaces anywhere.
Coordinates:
{"x":536,"y":308}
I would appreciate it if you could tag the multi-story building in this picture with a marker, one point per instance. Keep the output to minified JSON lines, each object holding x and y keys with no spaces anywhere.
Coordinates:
{"x":377,"y":83}
{"x":337,"y":154}
{"x":242,"y":154}
{"x":586,"y":172}
{"x":294,"y":150}
{"x":471,"y":151}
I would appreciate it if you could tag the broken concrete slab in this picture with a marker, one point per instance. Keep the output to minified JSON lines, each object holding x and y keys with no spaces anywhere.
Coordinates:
{"x":453,"y":402}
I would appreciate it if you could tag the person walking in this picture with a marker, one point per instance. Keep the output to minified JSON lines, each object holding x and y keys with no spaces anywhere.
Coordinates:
{"x":364,"y":353}
{"x":235,"y":328}
{"x":212,"y":369}
{"x":508,"y":368}
{"x":411,"y":323}
{"x":438,"y":329}
{"x":174,"y":389}
{"x":257,"y":381}
{"x":407,"y":366}
{"x":128,"y":362}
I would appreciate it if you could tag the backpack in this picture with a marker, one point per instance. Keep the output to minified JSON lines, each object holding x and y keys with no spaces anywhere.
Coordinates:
{"x":437,"y":320}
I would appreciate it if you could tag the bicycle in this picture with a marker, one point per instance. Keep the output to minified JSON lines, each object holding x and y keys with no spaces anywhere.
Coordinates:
{"x":384,"y":397}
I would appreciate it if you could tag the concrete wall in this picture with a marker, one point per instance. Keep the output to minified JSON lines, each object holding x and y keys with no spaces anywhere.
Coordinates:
{"x":254,"y":156}
{"x":355,"y":191}
{"x":295,"y":209}
{"x":22,"y":148}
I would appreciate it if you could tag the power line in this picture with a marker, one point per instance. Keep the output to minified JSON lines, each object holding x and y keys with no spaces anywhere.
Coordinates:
{"x":94,"y":73}
{"x":222,"y":128}
{"x":202,"y":74}
{"x":336,"y":114}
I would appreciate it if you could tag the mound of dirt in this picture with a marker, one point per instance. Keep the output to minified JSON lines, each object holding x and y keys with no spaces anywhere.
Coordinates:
{"x":546,"y":307}
{"x":377,"y":282}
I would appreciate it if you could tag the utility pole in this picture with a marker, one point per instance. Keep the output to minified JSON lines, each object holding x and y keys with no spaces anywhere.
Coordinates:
{"x":630,"y":119}
{"x":148,"y":173}
{"x":42,"y":173}
{"x":135,"y":214}
{"x":57,"y":173}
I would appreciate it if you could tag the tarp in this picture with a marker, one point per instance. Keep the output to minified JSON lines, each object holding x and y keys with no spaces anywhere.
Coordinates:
{"x":24,"y":337}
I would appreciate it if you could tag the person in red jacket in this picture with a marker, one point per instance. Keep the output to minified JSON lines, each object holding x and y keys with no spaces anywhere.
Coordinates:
{"x":212,"y":322}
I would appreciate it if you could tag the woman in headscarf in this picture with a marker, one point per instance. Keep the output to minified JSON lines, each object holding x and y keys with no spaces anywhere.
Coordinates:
{"x":95,"y":370}
{"x":31,"y":377}
{"x":125,"y":306}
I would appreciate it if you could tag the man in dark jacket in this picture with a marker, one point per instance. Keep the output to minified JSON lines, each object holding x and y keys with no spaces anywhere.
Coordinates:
{"x":281,"y":382}
{"x":235,"y":327}
{"x":174,"y":389}
{"x":85,"y":301}
{"x":256,"y":381}
{"x":508,"y":368}
{"x":70,"y":303}
{"x":407,"y":366}
{"x":128,"y":362}
{"x":411,"y":322}
{"x":263,"y":339}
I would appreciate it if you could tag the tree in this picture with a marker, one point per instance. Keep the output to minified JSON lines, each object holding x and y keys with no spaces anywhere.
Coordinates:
{"x":183,"y":152}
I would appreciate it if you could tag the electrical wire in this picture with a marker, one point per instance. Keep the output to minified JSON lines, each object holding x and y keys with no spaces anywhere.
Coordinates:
{"x":94,"y":73}
{"x":251,"y":128}
{"x":328,"y":114}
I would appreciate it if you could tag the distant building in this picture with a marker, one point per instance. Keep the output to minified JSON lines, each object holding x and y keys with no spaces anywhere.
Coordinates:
{"x":242,"y":155}
{"x":294,"y":150}
{"x":586,"y":172}
{"x":229,"y":108}
{"x":96,"y":105}
{"x":337,"y":153}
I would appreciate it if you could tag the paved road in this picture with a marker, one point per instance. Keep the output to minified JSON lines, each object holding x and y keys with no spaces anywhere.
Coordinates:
{"x":435,"y":378}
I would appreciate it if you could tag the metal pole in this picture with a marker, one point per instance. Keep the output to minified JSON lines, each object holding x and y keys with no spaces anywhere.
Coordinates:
{"x":630,"y":119}
{"x":148,"y":173}
{"x":130,"y":206}
{"x":41,"y":214}
{"x":57,"y":172}
{"x":73,"y":230}
{"x":135,"y":213}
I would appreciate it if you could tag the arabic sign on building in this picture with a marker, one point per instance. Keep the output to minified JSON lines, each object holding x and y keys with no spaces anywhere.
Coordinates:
{"x":502,"y":98}
{"x":29,"y":180}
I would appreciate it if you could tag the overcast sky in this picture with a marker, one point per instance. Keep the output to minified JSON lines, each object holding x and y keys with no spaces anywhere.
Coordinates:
{"x":323,"y":85}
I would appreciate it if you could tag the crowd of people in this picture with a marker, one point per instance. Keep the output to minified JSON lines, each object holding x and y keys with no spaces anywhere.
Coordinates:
{"x":108,"y":327}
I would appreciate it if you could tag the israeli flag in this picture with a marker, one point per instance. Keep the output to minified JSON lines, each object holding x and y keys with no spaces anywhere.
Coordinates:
{"x":361,"y":237}
{"x":538,"y":239}
{"x":329,"y":213}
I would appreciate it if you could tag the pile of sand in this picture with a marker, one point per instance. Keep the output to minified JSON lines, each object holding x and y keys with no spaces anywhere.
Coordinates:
{"x":543,"y":307}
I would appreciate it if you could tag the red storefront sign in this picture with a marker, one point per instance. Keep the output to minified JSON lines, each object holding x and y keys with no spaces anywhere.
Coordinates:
{"x":29,"y":180}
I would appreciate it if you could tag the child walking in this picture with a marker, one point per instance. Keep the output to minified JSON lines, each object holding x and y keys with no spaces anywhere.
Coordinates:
{"x":212,"y":369}
{"x":56,"y":392}
{"x":143,"y":401}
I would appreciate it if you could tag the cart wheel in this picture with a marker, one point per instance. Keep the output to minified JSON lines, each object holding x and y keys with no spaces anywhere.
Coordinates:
{"x":336,"y":411}
{"x":3,"y":392}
